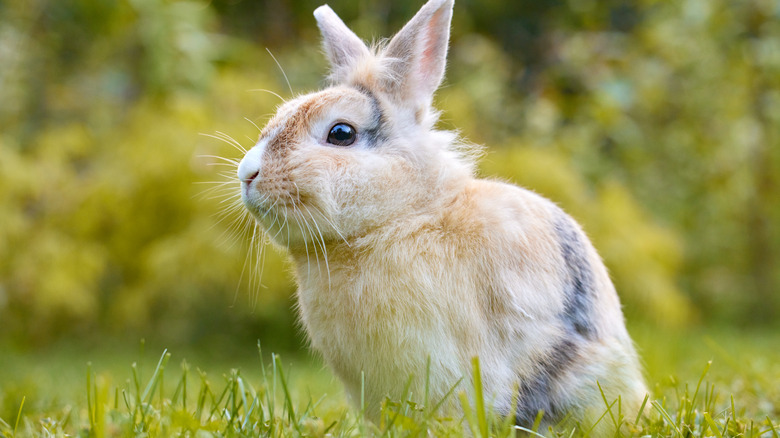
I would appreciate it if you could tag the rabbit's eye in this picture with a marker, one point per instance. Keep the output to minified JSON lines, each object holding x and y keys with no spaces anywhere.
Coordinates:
{"x":341,"y":134}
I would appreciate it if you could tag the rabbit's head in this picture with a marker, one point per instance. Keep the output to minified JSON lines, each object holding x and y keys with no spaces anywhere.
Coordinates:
{"x":362,"y":152}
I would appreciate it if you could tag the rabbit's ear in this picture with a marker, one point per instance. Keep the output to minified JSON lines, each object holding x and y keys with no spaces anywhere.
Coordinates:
{"x":419,"y":52}
{"x":342,"y":46}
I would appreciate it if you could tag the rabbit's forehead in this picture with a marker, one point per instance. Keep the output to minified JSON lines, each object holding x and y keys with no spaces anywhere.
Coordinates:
{"x":301,"y":114}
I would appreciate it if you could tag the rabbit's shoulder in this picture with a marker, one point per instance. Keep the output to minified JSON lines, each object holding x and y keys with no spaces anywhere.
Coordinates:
{"x":506,"y":211}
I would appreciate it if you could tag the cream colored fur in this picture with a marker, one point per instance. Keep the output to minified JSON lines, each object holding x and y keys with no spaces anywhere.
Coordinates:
{"x":402,"y":256}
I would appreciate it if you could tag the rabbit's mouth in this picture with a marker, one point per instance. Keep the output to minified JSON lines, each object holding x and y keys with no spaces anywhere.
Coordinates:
{"x":278,"y":211}
{"x":289,"y":219}
{"x":268,"y":191}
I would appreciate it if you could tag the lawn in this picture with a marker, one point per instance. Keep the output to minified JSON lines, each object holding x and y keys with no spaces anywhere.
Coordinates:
{"x":705,"y":382}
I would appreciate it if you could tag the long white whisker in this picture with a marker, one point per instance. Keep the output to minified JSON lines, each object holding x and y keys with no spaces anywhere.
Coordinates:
{"x":247,"y":224}
{"x":313,"y":240}
{"x":282,"y":70}
{"x":329,"y":222}
{"x":231,"y":200}
{"x":229,"y":160}
{"x":233,"y":234}
{"x":222,"y":183}
{"x":322,"y":242}
{"x":226,"y":139}
{"x":232,"y":141}
{"x":267,"y":91}
{"x":231,"y":176}
{"x":225,"y":214}
{"x":221,"y":164}
{"x":253,"y":123}
{"x":303,"y":232}
{"x":258,"y":269}
{"x":287,"y":221}
{"x":218,"y":191}
{"x":243,"y":268}
{"x":305,"y":240}
{"x":282,"y":225}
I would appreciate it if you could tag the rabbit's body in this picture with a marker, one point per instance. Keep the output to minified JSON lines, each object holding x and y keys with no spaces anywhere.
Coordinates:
{"x":403,"y":257}
{"x":436,"y":286}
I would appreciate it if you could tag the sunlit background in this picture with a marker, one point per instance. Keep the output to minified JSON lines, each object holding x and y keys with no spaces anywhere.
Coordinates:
{"x":655,"y":123}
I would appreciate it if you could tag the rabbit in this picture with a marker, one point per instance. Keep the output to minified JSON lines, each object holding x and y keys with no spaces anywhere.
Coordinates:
{"x":408,"y":265}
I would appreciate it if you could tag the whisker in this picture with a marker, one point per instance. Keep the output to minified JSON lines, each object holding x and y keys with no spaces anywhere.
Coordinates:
{"x":303,"y":232}
{"x":322,"y":242}
{"x":217,"y":182}
{"x":253,"y":123}
{"x":246,"y":224}
{"x":220,"y":185}
{"x":257,"y":271}
{"x":229,"y":160}
{"x":305,"y":243}
{"x":233,"y":231}
{"x":243,"y":269}
{"x":231,"y":165}
{"x":233,"y":141}
{"x":287,"y":221}
{"x":213,"y":192}
{"x":267,"y":91}
{"x":282,"y":70}
{"x":311,"y":235}
{"x":332,"y":225}
{"x":229,"y":211}
{"x":226,"y":139}
{"x":281,"y":226}
{"x":229,"y":200}
{"x":314,"y":241}
{"x":230,"y":176}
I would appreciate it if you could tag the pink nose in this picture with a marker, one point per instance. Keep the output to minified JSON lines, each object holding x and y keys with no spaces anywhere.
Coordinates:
{"x":251,"y":177}
{"x":250,"y":165}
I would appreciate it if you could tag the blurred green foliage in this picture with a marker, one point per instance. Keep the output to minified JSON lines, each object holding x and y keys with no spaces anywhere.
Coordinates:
{"x":654,"y":123}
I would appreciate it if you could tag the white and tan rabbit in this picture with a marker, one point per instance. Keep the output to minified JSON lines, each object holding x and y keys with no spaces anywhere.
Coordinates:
{"x":402,"y":255}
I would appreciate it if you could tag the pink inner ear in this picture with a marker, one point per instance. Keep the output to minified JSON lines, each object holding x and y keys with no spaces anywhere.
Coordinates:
{"x":432,"y":50}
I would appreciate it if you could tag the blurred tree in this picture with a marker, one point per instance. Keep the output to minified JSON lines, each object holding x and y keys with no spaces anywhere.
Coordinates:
{"x":682,"y":109}
{"x":654,"y":123}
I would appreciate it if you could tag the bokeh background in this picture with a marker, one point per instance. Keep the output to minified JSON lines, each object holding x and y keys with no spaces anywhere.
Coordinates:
{"x":655,"y":123}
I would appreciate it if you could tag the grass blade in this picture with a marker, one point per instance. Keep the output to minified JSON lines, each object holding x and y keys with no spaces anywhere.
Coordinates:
{"x":529,"y":431}
{"x":156,"y":376}
{"x":696,"y":392}
{"x":609,"y":407}
{"x":479,"y":399}
{"x":287,"y":396}
{"x":666,"y":416}
{"x":772,"y":428}
{"x":90,"y":412}
{"x":19,"y":414}
{"x":641,"y":409}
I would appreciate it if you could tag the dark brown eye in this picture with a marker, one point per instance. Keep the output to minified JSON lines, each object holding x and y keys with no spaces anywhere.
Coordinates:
{"x":342,"y":134}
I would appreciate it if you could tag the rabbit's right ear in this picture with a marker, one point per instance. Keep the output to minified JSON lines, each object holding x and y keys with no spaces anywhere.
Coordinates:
{"x":342,"y":46}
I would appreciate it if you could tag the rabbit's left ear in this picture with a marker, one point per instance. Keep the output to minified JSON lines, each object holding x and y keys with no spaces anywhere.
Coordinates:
{"x":419,"y":53}
{"x":342,"y":46}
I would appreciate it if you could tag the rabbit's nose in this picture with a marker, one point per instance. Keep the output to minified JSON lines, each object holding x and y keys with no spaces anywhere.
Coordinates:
{"x":249,"y":167}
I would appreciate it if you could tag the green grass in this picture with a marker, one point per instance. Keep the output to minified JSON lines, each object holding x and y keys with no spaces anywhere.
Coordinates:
{"x":714,"y":383}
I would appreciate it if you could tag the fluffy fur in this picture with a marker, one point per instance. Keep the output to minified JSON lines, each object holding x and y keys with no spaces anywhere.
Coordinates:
{"x":401,"y":255}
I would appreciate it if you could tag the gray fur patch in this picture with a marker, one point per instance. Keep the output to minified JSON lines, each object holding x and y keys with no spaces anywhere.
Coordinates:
{"x":376,"y":132}
{"x":535,"y":392}
{"x":579,"y":289}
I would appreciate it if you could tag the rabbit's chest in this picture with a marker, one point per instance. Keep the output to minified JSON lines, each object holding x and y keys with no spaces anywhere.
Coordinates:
{"x":379,"y":316}
{"x":385,"y":323}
